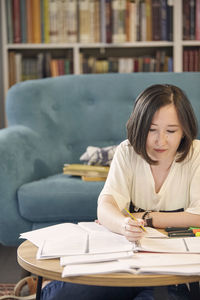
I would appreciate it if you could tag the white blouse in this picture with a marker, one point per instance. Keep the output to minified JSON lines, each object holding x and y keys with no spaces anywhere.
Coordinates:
{"x":130,"y":179}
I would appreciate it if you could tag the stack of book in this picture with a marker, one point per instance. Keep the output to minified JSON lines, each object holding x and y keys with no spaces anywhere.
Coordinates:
{"x":87,"y":172}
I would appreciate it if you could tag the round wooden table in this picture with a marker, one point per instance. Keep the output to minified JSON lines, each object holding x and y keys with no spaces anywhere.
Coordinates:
{"x":51,"y":269}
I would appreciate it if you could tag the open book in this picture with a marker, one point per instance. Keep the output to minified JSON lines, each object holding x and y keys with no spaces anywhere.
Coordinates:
{"x":140,"y":263}
{"x":91,"y":238}
{"x":173,"y":245}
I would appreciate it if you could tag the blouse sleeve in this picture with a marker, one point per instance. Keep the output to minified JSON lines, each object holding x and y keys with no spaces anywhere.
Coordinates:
{"x":119,"y":180}
{"x":194,"y":203}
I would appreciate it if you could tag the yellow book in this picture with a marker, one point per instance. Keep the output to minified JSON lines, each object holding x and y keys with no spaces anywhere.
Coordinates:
{"x":36,"y":21}
{"x":85,"y":170}
{"x":46,"y":21}
{"x":89,"y":178}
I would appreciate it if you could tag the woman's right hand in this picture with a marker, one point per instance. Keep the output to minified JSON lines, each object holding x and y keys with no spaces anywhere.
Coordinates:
{"x":131,"y":229}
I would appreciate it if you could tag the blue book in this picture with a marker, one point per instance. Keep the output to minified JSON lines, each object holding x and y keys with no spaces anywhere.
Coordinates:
{"x":164,"y":20}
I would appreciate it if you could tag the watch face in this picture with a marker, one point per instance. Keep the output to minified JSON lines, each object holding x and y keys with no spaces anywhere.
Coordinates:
{"x":149,"y":222}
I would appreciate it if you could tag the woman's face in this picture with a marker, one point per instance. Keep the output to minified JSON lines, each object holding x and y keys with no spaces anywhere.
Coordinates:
{"x":165,"y":134}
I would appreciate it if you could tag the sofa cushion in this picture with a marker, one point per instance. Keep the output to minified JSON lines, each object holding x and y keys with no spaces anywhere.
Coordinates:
{"x":61,"y":198}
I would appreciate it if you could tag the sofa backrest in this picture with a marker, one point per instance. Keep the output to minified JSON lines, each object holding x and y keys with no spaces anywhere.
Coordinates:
{"x":74,"y":111}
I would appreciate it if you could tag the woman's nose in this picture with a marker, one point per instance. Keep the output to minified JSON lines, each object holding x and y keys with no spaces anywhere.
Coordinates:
{"x":161,"y":139}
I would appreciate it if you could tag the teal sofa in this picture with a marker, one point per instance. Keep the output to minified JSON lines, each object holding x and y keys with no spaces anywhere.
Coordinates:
{"x":51,"y":122}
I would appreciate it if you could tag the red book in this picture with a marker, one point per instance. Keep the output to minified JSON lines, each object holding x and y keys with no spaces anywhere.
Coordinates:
{"x":191,"y":61}
{"x":108,"y":21}
{"x":185,"y":61}
{"x":186,"y":20}
{"x":16,"y":21}
{"x":29,"y":19}
{"x":196,"y":60}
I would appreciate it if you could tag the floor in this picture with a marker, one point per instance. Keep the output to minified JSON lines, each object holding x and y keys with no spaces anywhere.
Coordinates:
{"x":10,"y":271}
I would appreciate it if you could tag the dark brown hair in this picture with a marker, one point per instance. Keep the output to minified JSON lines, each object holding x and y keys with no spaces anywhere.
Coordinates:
{"x":146,"y":104}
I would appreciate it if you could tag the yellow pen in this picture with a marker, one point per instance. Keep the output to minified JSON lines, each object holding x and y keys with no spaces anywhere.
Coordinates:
{"x":142,"y":227}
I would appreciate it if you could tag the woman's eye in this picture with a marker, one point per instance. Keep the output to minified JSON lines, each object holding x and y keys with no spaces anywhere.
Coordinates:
{"x":152,"y":129}
{"x":170,"y":131}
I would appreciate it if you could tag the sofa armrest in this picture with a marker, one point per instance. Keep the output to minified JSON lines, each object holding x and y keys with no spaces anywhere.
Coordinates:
{"x":19,"y":153}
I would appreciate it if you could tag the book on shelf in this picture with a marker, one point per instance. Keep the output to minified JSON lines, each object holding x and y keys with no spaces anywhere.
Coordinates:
{"x":86,"y":21}
{"x":23,"y":21}
{"x":118,"y":21}
{"x":156,"y":20}
{"x":161,"y":62}
{"x":197,"y":19}
{"x":108,"y":17}
{"x":40,"y":65}
{"x":16,"y":21}
{"x":192,"y":19}
{"x":29,"y":21}
{"x":36,"y":22}
{"x":45,"y":21}
{"x":191,"y":59}
{"x":170,"y":20}
{"x":148,"y":20}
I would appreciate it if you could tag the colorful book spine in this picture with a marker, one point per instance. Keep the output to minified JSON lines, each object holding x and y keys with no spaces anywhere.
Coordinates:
{"x":170,"y":20}
{"x":72,"y":21}
{"x":45,"y":4}
{"x":23,"y":21}
{"x":197,"y":25}
{"x":148,"y":20}
{"x":108,"y":11}
{"x":84,"y":21}
{"x":103,"y":21}
{"x":29,"y":21}
{"x":16,"y":21}
{"x":36,"y":21}
{"x":53,"y":20}
{"x":163,"y":11}
{"x":192,"y":19}
{"x":9,"y":18}
{"x":156,"y":20}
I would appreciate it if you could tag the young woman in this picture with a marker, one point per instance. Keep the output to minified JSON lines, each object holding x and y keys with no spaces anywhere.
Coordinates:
{"x":156,"y":172}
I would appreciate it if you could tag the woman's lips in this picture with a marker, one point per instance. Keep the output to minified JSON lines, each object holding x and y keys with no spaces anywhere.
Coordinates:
{"x":160,"y":150}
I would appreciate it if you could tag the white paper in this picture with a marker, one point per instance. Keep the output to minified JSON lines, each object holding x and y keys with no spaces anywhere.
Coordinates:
{"x":38,"y":236}
{"x":71,"y":244}
{"x":140,"y":260}
{"x":93,"y":226}
{"x":154,"y":233}
{"x":173,"y":245}
{"x":187,"y":270}
{"x":95,"y":268}
{"x":91,"y":258}
{"x":101,"y":242}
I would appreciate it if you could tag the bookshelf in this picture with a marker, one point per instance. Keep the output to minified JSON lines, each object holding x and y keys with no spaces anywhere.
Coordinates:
{"x":82,"y":53}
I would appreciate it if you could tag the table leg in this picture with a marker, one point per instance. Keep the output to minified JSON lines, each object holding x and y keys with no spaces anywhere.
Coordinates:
{"x":160,"y":292}
{"x":39,"y":287}
{"x":194,"y":291}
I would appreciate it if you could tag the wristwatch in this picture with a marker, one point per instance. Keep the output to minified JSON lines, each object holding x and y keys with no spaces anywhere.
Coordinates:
{"x":148,"y":220}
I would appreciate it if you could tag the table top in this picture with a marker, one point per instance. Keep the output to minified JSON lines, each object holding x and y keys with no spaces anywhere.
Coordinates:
{"x":51,"y":269}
